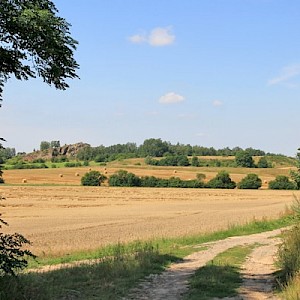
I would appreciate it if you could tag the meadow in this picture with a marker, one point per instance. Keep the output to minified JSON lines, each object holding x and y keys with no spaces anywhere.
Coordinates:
{"x":59,"y":216}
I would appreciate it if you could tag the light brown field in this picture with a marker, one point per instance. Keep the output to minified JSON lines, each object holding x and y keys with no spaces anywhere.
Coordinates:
{"x":62,"y":219}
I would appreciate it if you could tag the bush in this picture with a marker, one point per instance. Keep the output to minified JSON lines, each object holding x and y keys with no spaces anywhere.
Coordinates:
{"x":221,"y":181}
{"x":72,"y":164}
{"x":251,"y":181}
{"x":93,"y":178}
{"x":124,"y":178}
{"x":281,"y":182}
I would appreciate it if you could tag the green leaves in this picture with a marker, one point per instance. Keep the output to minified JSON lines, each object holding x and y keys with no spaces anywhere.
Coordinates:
{"x":35,"y":42}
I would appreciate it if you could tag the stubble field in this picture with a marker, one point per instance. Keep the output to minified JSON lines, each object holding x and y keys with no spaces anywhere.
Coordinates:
{"x":65,"y":218}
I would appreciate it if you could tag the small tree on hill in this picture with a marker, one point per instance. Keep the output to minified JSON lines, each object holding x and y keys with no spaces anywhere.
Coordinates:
{"x":44,"y":145}
{"x":251,"y":181}
{"x":244,"y":159}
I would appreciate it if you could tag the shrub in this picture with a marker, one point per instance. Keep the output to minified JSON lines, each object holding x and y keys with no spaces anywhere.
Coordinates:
{"x":72,"y":164}
{"x":93,"y":178}
{"x":221,"y":181}
{"x":251,"y":181}
{"x":281,"y":182}
{"x":124,"y":178}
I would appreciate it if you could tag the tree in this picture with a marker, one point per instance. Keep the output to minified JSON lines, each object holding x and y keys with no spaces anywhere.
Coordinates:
{"x":124,"y":178}
{"x":251,"y":181}
{"x":93,"y":178}
{"x":244,"y":159}
{"x":44,"y":145}
{"x":55,"y":144}
{"x":35,"y":42}
{"x":195,"y":161}
{"x":263,"y":163}
{"x":154,"y":147}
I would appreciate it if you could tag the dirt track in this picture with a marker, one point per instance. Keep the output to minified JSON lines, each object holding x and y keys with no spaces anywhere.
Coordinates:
{"x":257,"y":271}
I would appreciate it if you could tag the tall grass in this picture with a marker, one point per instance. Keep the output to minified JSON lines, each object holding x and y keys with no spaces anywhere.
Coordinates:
{"x":289,"y":258}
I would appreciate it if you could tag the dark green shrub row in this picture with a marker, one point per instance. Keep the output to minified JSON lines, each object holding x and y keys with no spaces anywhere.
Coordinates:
{"x":72,"y":164}
{"x":282,"y":182}
{"x":27,"y":166}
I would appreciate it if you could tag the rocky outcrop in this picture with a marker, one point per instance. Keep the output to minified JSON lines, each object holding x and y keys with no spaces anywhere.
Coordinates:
{"x":69,"y":151}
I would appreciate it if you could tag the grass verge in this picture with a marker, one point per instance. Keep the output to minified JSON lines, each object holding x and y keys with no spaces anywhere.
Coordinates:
{"x":220,"y":277}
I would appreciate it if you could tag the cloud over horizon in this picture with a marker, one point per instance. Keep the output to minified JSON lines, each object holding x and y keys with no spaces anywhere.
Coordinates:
{"x":158,"y":37}
{"x":171,"y":98}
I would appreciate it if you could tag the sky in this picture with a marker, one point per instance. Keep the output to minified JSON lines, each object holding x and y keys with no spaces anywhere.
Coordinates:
{"x":214,"y":73}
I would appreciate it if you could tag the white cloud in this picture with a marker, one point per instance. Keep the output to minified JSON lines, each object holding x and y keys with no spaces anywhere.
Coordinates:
{"x":286,"y":74}
{"x":171,"y":98}
{"x":158,"y":37}
{"x":161,"y":37}
{"x":217,"y":103}
{"x":137,"y":38}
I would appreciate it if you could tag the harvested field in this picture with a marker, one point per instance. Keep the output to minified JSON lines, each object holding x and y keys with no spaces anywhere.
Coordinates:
{"x":62,"y":219}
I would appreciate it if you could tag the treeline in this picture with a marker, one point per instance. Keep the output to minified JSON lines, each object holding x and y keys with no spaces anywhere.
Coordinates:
{"x":242,"y":159}
{"x":222,"y":180}
{"x":156,"y":148}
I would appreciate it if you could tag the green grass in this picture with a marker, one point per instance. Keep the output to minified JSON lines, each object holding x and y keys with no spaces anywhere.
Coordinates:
{"x":220,"y":277}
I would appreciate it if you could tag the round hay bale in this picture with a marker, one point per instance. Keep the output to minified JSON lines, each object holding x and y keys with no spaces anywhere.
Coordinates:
{"x":90,"y":169}
{"x":24,"y":180}
{"x":105,"y":172}
{"x":265,"y":181}
{"x":104,"y":169}
{"x":174,"y":171}
{"x":76,"y":174}
{"x":61,"y":175}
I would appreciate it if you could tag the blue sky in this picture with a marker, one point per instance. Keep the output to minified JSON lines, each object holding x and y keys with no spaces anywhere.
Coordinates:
{"x":213,"y":73}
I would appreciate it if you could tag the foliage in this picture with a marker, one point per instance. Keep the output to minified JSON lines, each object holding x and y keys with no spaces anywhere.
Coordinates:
{"x":251,"y":181}
{"x":289,"y":250}
{"x":124,"y":178}
{"x":12,"y":257}
{"x":92,"y":178}
{"x":221,"y":181}
{"x":195,"y":161}
{"x":6,"y":153}
{"x":296,"y":174}
{"x":44,"y":145}
{"x":35,"y":42}
{"x":154,"y":147}
{"x":72,"y":164}
{"x":244,"y":159}
{"x":281,"y":182}
{"x":263,"y":163}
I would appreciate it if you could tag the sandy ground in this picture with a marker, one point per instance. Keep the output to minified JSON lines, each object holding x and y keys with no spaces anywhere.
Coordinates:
{"x":257,"y":272}
{"x":62,"y":219}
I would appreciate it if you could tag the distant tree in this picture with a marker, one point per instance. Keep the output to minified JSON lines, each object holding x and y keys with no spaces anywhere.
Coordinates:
{"x":263,"y":163}
{"x":55,"y":144}
{"x":282,"y":182}
{"x":244,"y":159}
{"x":92,"y":178}
{"x":154,"y":147}
{"x":221,"y":181}
{"x":251,"y":181}
{"x":183,"y":161}
{"x":44,"y":145}
{"x":195,"y":161}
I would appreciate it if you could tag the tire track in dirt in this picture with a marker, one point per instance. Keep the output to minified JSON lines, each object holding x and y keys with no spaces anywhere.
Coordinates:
{"x":172,"y":284}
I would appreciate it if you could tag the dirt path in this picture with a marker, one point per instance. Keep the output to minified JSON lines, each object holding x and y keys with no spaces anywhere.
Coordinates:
{"x":257,"y":271}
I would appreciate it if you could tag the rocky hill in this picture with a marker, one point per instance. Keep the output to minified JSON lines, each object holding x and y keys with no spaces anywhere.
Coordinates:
{"x":70,"y":151}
